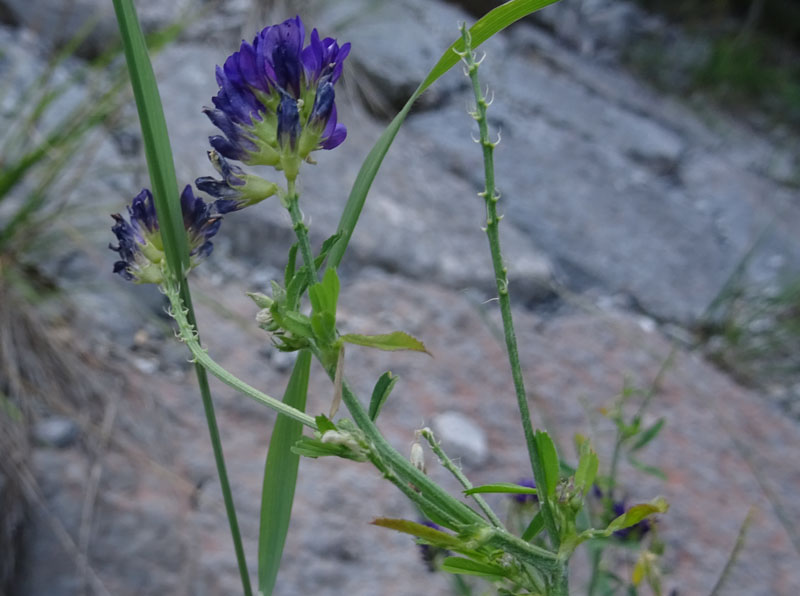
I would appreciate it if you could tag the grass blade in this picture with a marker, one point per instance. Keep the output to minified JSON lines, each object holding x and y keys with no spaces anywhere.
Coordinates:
{"x":170,"y":219}
{"x":156,"y":141}
{"x":494,"y":21}
{"x":280,"y":478}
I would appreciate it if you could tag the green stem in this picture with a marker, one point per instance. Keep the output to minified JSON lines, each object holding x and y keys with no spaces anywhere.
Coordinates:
{"x":491,"y":197}
{"x":459,"y":475}
{"x":189,"y":337}
{"x":219,"y":457}
{"x":301,"y":231}
{"x":612,"y":474}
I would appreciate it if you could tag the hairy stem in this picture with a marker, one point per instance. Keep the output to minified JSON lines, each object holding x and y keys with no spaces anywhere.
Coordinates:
{"x":491,"y":196}
{"x":189,"y":336}
{"x":301,"y":231}
{"x":459,"y":475}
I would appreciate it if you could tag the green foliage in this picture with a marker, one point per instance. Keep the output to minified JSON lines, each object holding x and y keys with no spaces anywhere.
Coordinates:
{"x":383,"y":387}
{"x":742,"y":69}
{"x":397,"y":340}
{"x":280,"y":478}
{"x":501,"y":487}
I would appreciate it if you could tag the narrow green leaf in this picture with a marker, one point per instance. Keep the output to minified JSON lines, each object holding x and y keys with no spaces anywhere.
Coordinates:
{"x":325,"y":249}
{"x":324,"y":424}
{"x":308,"y":447}
{"x":397,"y":340}
{"x":470,"y":567}
{"x":291,"y":264}
{"x":494,"y":21}
{"x":646,"y":468}
{"x":648,"y":434}
{"x":636,"y":514}
{"x":549,"y":458}
{"x":324,"y":295}
{"x":501,"y":487}
{"x":156,"y":141}
{"x":280,"y":478}
{"x":426,"y":533}
{"x":381,"y":393}
{"x":587,"y":467}
{"x":533,"y":529}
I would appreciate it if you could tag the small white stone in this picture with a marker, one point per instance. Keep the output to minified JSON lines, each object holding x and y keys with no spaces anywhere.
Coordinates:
{"x":461,"y":438}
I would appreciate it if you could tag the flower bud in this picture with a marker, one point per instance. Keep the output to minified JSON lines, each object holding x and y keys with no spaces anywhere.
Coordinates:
{"x":417,"y":457}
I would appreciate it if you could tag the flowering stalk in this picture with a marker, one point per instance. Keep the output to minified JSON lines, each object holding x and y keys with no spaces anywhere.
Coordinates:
{"x":491,"y":196}
{"x":162,"y":175}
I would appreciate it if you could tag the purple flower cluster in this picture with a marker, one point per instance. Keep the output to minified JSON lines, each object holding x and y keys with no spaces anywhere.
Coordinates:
{"x":140,"y":246}
{"x":275,"y":105}
{"x":276,"y":94}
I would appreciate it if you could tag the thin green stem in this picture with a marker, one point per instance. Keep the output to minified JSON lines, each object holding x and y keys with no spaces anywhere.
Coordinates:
{"x":301,"y":231}
{"x":734,"y":553}
{"x":189,"y":336}
{"x":612,"y":475}
{"x":219,"y":457}
{"x":459,"y":475}
{"x":491,"y":196}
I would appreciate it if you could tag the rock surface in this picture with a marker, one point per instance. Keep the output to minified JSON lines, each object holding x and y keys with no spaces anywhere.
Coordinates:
{"x":614,"y":196}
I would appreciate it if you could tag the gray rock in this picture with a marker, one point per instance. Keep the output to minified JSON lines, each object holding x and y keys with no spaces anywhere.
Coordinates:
{"x":614,"y":197}
{"x":55,"y":432}
{"x":388,"y":66}
{"x":60,"y":24}
{"x":461,"y":438}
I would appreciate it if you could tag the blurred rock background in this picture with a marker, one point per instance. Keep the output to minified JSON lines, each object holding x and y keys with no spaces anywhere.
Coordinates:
{"x":649,"y":170}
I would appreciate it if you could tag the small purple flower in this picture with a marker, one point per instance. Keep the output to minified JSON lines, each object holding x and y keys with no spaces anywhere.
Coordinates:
{"x":524,"y":499}
{"x":236,"y":190}
{"x":430,"y":553}
{"x":275,"y":90}
{"x":140,"y":246}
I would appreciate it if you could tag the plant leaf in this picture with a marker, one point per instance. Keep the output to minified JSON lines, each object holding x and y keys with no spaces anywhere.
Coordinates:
{"x":325,"y":249}
{"x":426,"y":533}
{"x":291,"y":265}
{"x":648,"y":434}
{"x":494,"y":21}
{"x":587,"y":467}
{"x":501,"y":487}
{"x":380,"y":393}
{"x":324,"y":424}
{"x":280,"y":478}
{"x":646,"y":468}
{"x":470,"y":567}
{"x":533,"y":529}
{"x":549,"y":458}
{"x":397,"y":340}
{"x":636,"y":514}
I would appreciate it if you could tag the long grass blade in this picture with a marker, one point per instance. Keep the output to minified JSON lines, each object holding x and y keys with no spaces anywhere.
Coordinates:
{"x":165,"y":192}
{"x":494,"y":21}
{"x":280,"y":478}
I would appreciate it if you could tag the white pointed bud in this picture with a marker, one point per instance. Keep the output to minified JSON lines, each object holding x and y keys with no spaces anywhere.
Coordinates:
{"x":417,"y":457}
